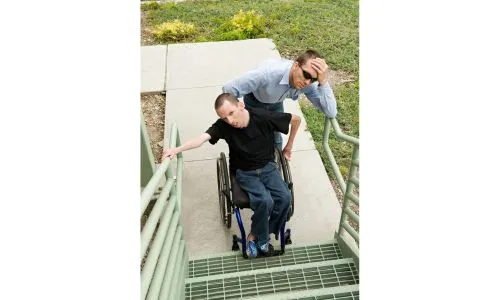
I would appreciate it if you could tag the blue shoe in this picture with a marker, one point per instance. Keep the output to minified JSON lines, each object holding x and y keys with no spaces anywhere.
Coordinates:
{"x":251,"y":249}
{"x":266,"y":249}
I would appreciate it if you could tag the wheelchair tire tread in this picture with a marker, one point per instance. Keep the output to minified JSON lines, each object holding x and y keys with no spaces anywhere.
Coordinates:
{"x":227,"y":190}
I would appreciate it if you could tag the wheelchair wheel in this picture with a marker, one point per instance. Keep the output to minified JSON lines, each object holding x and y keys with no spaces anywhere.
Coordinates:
{"x":220,"y":188}
{"x":284,"y":169}
{"x":225,"y":205}
{"x":277,"y":160}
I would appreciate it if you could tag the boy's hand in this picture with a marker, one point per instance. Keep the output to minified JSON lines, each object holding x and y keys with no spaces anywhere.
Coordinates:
{"x":169,"y":153}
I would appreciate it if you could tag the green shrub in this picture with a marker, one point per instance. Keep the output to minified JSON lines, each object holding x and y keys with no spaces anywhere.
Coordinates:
{"x":169,"y":6}
{"x":243,"y":25}
{"x":249,"y":23}
{"x":201,"y":39}
{"x":173,"y":31}
{"x":150,"y":6}
{"x":232,"y":35}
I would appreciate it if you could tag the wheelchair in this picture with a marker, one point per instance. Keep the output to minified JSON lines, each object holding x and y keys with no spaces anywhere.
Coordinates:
{"x":232,"y":199}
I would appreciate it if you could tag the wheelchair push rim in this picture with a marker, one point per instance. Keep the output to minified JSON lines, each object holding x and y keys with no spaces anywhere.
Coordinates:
{"x":225,"y":205}
{"x":220,"y":187}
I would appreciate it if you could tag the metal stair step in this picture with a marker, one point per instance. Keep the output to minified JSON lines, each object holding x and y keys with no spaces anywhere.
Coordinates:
{"x":261,"y":282}
{"x":346,"y":292}
{"x":234,"y":261}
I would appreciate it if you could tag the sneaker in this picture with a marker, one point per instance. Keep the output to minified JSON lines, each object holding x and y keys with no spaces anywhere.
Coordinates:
{"x":266,"y":249}
{"x":251,"y":249}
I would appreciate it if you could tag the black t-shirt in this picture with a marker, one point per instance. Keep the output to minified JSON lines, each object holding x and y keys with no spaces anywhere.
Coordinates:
{"x":251,"y":147}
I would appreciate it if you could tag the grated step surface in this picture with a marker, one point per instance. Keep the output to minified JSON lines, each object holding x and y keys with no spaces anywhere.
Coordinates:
{"x":236,"y":262}
{"x":346,"y":292}
{"x":277,"y":280}
{"x":338,"y":296}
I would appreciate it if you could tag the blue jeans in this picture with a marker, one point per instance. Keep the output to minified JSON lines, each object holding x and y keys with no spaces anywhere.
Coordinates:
{"x":252,"y":102}
{"x":269,"y":198}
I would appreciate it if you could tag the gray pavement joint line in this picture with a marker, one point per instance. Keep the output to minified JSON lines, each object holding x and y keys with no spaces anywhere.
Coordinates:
{"x":165,"y":77}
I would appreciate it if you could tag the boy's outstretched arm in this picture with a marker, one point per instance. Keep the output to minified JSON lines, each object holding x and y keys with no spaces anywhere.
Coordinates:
{"x":191,"y":144}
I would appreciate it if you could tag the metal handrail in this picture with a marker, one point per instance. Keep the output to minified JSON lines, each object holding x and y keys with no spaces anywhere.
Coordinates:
{"x":346,"y":188}
{"x":329,"y":123}
{"x":166,"y":262}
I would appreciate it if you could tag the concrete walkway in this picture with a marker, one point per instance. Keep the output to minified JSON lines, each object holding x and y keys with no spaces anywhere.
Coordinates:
{"x":192,"y":76}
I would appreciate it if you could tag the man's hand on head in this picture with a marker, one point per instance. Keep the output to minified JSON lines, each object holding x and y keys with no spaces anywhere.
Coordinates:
{"x":320,"y":66}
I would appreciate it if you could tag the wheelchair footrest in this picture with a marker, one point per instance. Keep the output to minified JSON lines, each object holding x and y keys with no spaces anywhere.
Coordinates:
{"x":288,"y":239}
{"x":236,"y":240}
{"x":272,"y":253}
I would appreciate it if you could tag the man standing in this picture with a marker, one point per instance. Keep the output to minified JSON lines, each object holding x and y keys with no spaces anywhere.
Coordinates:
{"x":249,"y":134}
{"x":267,"y":86}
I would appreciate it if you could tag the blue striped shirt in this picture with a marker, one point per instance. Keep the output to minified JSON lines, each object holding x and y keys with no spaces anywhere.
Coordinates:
{"x":270,"y":84}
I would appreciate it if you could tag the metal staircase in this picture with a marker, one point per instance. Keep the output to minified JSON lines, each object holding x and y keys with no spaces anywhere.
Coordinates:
{"x":303,"y":272}
{"x":327,"y":270}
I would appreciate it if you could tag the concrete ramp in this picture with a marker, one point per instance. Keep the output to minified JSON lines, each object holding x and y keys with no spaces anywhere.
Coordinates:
{"x":215,"y":63}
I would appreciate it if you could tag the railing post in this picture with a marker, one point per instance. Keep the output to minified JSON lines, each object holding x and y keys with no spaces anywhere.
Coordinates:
{"x":331,"y":158}
{"x":172,"y":142}
{"x":147,"y":159}
{"x":180,"y":170}
{"x":350,"y":187}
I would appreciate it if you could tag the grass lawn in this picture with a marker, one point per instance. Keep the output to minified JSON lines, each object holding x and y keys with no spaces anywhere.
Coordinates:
{"x":330,"y":27}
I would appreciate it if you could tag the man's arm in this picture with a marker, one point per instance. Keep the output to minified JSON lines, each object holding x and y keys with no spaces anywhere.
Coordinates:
{"x":322,"y":96}
{"x":295,"y":123}
{"x":245,"y":84}
{"x":191,"y":144}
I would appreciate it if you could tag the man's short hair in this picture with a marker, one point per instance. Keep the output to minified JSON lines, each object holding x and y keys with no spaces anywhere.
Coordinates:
{"x":309,"y":54}
{"x":223,"y":98}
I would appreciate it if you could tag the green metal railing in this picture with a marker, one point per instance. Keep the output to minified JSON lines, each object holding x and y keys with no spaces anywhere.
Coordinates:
{"x":164,"y":253}
{"x":346,"y":188}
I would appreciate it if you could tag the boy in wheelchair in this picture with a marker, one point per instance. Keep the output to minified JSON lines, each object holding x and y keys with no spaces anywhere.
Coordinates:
{"x":249,"y":134}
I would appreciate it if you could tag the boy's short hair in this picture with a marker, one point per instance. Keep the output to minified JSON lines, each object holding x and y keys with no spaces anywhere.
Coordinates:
{"x":223,"y":98}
